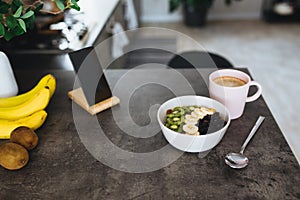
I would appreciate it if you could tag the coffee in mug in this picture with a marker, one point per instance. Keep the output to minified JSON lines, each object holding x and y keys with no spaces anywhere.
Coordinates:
{"x":229,"y":81}
{"x":230,"y":87}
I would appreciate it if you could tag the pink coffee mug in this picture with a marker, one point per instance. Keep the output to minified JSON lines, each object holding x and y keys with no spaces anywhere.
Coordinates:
{"x":233,"y":97}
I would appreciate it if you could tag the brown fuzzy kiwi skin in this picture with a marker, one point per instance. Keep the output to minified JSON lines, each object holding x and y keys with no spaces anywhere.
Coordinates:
{"x":13,"y":156}
{"x":25,"y":137}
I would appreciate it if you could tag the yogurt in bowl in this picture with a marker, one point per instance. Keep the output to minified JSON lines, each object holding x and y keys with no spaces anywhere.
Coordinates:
{"x":197,"y":142}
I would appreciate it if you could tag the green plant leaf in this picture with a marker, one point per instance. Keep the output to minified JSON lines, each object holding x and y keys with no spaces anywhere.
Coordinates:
{"x":15,"y":5}
{"x":27,"y":15}
{"x":22,"y":24}
{"x":11,"y":22}
{"x":4,"y":7}
{"x":8,"y":35}
{"x":2,"y":30}
{"x":75,"y":5}
{"x":18,"y":12}
{"x":38,"y":6}
{"x":18,"y":30}
{"x":14,"y":23}
{"x":30,"y":22}
{"x":18,"y":3}
{"x":60,"y":4}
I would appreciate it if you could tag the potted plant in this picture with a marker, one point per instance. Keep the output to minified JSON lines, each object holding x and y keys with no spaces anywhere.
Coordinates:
{"x":195,"y":11}
{"x":17,"y":16}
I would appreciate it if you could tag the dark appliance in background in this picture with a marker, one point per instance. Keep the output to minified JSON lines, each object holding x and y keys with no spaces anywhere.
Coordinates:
{"x":281,"y":10}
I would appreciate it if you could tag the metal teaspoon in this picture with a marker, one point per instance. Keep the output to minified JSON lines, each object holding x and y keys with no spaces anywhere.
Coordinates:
{"x":238,"y":160}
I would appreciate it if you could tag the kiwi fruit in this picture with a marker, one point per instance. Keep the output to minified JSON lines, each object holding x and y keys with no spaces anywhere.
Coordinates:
{"x":13,"y":156}
{"x":25,"y":137}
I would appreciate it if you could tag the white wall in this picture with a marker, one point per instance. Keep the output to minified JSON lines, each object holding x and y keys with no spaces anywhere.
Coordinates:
{"x":158,"y":10}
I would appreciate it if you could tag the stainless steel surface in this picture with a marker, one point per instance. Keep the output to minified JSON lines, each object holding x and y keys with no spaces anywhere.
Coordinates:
{"x":238,"y":160}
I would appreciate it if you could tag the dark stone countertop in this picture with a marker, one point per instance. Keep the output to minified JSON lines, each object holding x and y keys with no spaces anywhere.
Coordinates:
{"x":62,"y":168}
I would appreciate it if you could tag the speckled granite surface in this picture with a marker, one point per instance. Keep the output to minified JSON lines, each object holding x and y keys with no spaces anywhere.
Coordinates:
{"x":61,"y":167}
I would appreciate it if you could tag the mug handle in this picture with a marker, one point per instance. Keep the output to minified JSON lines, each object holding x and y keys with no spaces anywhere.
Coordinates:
{"x":257,"y":94}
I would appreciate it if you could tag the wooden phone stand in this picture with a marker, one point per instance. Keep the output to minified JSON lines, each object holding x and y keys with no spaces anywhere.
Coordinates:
{"x":78,"y":97}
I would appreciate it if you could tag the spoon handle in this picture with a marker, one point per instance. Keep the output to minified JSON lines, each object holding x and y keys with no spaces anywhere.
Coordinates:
{"x":251,"y":134}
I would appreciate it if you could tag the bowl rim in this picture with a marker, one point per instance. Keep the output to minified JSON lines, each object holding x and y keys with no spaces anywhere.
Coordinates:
{"x":194,"y":136}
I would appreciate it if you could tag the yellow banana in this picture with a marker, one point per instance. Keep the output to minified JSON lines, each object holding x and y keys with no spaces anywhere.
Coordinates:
{"x":47,"y":81}
{"x":36,"y":103}
{"x":33,"y":121}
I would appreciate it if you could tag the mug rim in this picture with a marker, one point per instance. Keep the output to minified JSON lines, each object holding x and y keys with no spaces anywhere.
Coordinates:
{"x":230,"y":70}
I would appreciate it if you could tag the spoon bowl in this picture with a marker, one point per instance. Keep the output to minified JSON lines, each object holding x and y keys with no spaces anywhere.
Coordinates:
{"x":236,"y":160}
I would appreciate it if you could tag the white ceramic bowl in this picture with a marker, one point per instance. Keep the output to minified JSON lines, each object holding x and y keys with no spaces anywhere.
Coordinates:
{"x":186,"y":142}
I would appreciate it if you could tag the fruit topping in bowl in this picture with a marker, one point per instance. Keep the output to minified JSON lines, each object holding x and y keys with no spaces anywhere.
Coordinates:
{"x":194,"y":120}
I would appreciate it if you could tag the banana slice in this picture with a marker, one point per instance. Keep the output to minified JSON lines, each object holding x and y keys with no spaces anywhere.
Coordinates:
{"x":208,"y":111}
{"x":189,"y":119}
{"x":197,"y":133}
{"x":200,"y":115}
{"x":199,"y":112}
{"x":190,"y":129}
{"x":192,"y":108}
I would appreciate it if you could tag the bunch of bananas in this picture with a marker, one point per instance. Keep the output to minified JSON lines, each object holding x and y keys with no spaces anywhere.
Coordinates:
{"x":26,"y":109}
